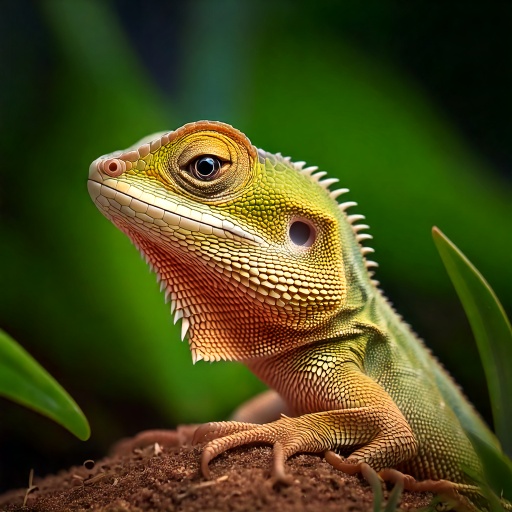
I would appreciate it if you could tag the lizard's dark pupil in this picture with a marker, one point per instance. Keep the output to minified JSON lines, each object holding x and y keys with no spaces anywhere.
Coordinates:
{"x":206,"y":167}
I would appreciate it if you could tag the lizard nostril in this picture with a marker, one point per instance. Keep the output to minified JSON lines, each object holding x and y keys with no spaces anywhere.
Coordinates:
{"x":302,"y":233}
{"x":114,"y":167}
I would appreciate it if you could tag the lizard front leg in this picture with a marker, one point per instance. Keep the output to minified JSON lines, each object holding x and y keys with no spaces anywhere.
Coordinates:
{"x":263,"y":408}
{"x":380,"y":437}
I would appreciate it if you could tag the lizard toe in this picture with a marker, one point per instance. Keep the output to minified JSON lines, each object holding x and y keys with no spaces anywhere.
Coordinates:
{"x":223,"y":440}
{"x":288,"y":436}
{"x":350,"y":465}
{"x":215,"y":429}
{"x":182,"y":436}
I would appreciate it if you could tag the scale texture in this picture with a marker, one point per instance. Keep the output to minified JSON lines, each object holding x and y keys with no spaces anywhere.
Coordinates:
{"x":263,"y":265}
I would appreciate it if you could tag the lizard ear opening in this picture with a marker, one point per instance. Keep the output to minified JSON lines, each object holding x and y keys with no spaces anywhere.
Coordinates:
{"x":302,"y":232}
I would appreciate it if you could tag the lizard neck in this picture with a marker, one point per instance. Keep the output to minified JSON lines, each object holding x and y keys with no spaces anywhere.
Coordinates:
{"x":373,"y":329}
{"x":315,"y":368}
{"x":316,"y":377}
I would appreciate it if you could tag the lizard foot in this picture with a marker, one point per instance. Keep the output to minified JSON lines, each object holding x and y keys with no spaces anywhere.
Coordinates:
{"x":450,"y":490}
{"x":168,"y":438}
{"x":365,"y":428}
{"x":394,"y":476}
{"x":287,"y":435}
{"x":463,"y":496}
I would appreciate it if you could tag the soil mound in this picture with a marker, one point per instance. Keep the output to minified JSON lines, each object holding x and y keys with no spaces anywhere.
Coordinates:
{"x":155,"y":479}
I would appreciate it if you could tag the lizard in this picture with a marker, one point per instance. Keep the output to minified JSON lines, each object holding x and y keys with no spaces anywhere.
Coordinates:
{"x":264,"y":265}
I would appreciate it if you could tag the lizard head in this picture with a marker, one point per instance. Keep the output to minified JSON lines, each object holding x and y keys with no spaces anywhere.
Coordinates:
{"x":251,"y":248}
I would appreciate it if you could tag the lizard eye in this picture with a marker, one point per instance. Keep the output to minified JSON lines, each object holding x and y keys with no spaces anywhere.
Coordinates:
{"x":302,"y":233}
{"x":205,"y":168}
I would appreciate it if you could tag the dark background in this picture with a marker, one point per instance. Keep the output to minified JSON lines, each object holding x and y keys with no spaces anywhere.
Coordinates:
{"x":408,"y":103}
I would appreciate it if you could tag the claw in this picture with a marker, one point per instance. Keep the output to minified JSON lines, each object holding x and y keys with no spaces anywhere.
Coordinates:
{"x":220,"y":437}
{"x":349,"y":466}
{"x":398,"y":478}
{"x":206,"y":457}
{"x":202,"y":433}
{"x":278,"y":468}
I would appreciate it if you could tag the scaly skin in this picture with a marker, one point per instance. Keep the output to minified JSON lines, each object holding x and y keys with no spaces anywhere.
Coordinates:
{"x":264,"y":266}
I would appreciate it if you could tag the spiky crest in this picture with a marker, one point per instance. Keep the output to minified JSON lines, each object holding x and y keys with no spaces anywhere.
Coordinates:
{"x":318,"y":177}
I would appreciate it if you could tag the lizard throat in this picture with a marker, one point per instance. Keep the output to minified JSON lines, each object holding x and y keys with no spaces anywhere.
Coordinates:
{"x":218,"y":320}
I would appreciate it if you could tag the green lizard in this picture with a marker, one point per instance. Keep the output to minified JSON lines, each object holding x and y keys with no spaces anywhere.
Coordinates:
{"x":264,"y":266}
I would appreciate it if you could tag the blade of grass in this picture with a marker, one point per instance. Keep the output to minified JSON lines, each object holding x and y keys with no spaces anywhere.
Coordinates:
{"x":496,"y":478}
{"x":371,"y":476}
{"x":394,"y":498}
{"x":490,"y":327}
{"x":24,"y":381}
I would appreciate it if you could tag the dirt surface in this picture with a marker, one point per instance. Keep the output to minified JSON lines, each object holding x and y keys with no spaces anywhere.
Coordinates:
{"x":170,"y":480}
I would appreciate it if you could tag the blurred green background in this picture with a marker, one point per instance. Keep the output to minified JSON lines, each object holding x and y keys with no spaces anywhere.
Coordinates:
{"x":407,"y":103}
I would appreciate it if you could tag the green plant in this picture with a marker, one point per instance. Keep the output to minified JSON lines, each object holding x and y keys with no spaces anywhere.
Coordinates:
{"x":24,"y":381}
{"x":493,"y":335}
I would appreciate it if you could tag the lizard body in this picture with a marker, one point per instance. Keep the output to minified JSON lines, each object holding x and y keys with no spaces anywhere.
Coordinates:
{"x":264,"y":266}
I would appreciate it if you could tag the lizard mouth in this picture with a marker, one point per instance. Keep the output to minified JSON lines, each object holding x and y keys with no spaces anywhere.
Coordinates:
{"x":115,"y":197}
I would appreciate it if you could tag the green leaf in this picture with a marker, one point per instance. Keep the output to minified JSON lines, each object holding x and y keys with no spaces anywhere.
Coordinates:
{"x":375,"y":483}
{"x":496,"y":478}
{"x":394,"y":498}
{"x":491,"y":329}
{"x":24,"y":381}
